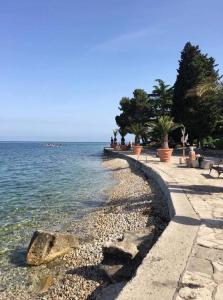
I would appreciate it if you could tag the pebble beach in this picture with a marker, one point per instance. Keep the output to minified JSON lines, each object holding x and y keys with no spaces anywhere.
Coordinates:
{"x":133,"y":203}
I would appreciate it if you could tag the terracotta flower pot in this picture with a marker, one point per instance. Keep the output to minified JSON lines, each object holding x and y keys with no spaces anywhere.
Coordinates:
{"x":124,"y":147}
{"x":165,"y":154}
{"x":137,"y":149}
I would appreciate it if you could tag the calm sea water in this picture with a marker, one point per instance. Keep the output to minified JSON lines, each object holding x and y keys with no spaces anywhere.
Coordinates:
{"x":47,"y":188}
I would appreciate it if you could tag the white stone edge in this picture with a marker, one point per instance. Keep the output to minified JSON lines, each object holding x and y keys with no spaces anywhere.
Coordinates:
{"x":158,"y":276}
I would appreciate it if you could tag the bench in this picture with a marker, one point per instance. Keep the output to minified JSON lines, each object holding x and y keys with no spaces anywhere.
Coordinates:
{"x":217,"y":167}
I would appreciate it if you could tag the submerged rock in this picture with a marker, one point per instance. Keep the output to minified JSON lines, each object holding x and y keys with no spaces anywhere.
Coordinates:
{"x":46,"y":246}
{"x":45,"y":283}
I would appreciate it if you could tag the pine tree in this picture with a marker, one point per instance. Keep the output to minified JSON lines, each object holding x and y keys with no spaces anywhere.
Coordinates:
{"x":136,"y":110}
{"x":191,"y":104}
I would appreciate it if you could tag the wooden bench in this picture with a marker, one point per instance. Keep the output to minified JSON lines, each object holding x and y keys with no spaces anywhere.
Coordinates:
{"x":218,"y":167}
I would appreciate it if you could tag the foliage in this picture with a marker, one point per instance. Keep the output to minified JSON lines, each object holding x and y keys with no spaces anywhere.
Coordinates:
{"x":164,"y":125}
{"x":161,"y":98}
{"x":136,"y":110}
{"x":115,"y":132}
{"x":208,"y":143}
{"x":194,"y":99}
{"x":138,"y":130}
{"x":122,"y":132}
{"x":219,"y":144}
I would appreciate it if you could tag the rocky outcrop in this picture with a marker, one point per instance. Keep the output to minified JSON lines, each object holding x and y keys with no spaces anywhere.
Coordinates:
{"x":46,"y":246}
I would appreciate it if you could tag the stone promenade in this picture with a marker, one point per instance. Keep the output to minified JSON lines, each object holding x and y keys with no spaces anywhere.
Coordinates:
{"x":202,"y":276}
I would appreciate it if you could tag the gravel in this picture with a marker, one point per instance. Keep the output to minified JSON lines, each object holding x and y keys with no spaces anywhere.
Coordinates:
{"x":133,"y":203}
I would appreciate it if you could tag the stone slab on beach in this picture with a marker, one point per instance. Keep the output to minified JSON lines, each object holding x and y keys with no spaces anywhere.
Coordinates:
{"x":123,"y":250}
{"x":143,"y":239}
{"x":134,"y":242}
{"x":46,"y":246}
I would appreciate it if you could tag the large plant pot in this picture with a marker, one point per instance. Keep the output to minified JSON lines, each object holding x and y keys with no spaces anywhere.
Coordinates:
{"x":124,"y":147}
{"x":137,"y":149}
{"x":165,"y":154}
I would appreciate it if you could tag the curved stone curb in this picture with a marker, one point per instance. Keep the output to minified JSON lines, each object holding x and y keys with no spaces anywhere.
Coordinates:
{"x":158,"y":276}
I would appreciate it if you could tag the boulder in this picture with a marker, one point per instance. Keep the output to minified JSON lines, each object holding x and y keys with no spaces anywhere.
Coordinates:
{"x":46,"y":246}
{"x":142,"y":239}
{"x":133,"y":243}
{"x":120,"y":250}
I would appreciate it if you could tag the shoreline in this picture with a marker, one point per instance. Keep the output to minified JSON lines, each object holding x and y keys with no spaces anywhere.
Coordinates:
{"x":129,"y":206}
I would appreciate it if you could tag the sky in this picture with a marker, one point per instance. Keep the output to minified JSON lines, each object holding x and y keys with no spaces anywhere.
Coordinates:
{"x":65,"y":64}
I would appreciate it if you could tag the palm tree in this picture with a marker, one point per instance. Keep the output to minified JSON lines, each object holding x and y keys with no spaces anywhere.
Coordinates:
{"x":162,"y":96}
{"x":122,"y":132}
{"x":209,"y":84}
{"x":164,"y":125}
{"x":138,"y":130}
{"x":115,"y":132}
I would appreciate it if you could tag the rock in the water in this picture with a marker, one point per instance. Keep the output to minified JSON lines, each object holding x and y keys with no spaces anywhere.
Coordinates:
{"x":121,"y":250}
{"x":46,"y":246}
{"x":45,"y":283}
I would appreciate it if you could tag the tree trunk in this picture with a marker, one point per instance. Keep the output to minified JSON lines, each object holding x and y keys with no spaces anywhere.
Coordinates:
{"x":165,"y":144}
{"x":137,"y":140}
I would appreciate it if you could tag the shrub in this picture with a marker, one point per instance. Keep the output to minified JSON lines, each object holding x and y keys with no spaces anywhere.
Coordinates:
{"x":209,"y":143}
{"x":219,"y":144}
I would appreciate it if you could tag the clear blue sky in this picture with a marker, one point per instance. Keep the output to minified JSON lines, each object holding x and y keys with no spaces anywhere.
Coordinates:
{"x":65,"y":64}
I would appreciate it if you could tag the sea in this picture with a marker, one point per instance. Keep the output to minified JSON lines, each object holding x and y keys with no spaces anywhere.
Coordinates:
{"x":46,"y":186}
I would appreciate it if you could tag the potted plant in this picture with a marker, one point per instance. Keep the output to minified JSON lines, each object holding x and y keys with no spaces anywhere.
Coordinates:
{"x":122,"y":131}
{"x":112,"y":142}
{"x":138,"y":130}
{"x":115,"y":132}
{"x":164,"y":126}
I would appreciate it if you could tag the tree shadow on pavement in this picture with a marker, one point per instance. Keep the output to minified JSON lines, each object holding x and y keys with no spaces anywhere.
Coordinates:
{"x":195,"y":189}
{"x":211,"y":223}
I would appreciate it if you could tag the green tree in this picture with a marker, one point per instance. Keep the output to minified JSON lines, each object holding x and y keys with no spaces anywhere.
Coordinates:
{"x":163,"y":126}
{"x":161,"y":98}
{"x":137,"y":110}
{"x":115,"y":132}
{"x":194,"y":98}
{"x":139,"y":130}
{"x":122,"y":131}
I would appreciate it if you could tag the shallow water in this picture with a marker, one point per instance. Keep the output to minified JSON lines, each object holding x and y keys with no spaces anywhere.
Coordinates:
{"x":46,"y":188}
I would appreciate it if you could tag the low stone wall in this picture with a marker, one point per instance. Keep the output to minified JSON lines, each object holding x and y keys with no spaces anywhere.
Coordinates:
{"x":158,"y":276}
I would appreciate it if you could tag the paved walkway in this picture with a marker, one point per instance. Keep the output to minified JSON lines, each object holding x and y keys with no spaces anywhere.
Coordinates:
{"x":203,"y":276}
